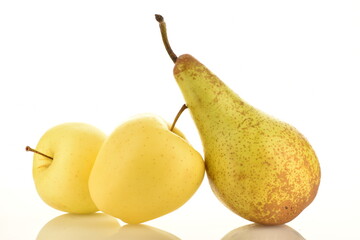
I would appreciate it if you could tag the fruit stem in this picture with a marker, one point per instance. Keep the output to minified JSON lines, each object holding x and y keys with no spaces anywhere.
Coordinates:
{"x":177,"y":116}
{"x":35,"y":151}
{"x":163,"y":31}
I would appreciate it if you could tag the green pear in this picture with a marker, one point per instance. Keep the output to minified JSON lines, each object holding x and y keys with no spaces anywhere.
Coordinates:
{"x":259,"y":167}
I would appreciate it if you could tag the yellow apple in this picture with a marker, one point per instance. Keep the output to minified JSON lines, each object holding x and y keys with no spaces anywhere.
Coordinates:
{"x":144,"y":171}
{"x":61,"y":177}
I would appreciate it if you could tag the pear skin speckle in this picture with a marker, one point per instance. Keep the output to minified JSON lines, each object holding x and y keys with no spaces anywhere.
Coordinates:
{"x":259,"y":167}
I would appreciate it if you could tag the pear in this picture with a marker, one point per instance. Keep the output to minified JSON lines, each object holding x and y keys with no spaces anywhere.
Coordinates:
{"x":261,"y":168}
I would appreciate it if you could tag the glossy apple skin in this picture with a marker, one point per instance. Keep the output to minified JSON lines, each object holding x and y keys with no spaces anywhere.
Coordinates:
{"x":144,"y":171}
{"x":62,"y":183}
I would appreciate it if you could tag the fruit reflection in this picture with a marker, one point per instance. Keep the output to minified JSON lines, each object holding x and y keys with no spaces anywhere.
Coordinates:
{"x":98,"y":226}
{"x":70,"y":227}
{"x":261,"y":232}
{"x":142,"y":232}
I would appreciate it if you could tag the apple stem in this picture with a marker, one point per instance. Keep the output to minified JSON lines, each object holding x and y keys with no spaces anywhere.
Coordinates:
{"x":178,"y":115}
{"x":163,"y":31}
{"x":35,"y":151}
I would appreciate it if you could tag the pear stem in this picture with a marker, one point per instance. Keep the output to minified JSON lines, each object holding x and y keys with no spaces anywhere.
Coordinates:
{"x":35,"y":151}
{"x":164,"y":36}
{"x":177,"y":116}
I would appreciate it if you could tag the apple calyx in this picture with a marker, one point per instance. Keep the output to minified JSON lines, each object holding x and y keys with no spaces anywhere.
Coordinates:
{"x":177,"y":116}
{"x":29,"y":149}
{"x":163,"y":31}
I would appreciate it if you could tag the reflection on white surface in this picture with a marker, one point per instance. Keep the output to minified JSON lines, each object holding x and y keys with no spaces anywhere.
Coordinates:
{"x":98,"y":226}
{"x":142,"y":232}
{"x":70,"y":226}
{"x":261,"y":232}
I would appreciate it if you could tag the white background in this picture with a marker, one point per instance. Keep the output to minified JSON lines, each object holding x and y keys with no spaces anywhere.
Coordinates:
{"x":101,"y":62}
